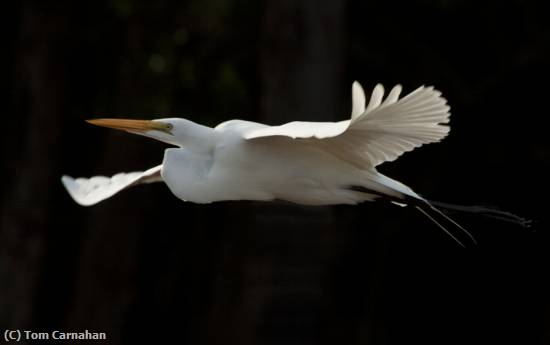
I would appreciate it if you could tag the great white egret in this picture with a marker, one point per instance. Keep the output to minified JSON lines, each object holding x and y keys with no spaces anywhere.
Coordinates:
{"x":310,"y":163}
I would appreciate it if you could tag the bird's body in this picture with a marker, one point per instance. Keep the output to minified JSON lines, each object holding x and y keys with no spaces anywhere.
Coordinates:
{"x":232,"y":168}
{"x":310,"y":163}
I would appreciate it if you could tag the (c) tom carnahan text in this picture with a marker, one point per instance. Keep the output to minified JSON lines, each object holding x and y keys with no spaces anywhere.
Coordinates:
{"x":19,"y":335}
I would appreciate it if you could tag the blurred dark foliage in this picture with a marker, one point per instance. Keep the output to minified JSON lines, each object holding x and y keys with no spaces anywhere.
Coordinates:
{"x":146,"y":266}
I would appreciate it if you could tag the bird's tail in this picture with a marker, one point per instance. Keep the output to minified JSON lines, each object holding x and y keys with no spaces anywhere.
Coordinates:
{"x":404,"y":196}
{"x":426,"y":207}
{"x":400,"y":194}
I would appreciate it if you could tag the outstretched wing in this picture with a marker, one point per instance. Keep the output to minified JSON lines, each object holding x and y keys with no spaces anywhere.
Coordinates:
{"x":377,"y":133}
{"x":90,"y":191}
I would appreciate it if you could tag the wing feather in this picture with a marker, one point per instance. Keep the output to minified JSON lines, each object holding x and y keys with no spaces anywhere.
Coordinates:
{"x":393,"y":96}
{"x":90,"y":191}
{"x":358,"y":100}
{"x":386,"y":128}
{"x":375,"y":98}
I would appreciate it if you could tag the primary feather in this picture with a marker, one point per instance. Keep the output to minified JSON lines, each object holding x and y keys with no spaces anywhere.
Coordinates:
{"x":383,"y":131}
{"x":89,"y":191}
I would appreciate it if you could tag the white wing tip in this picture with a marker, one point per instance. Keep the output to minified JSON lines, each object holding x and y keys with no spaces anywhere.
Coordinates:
{"x":379,"y":88}
{"x":73,"y":189}
{"x":375,"y":98}
{"x":358,"y":100}
{"x":69,"y":184}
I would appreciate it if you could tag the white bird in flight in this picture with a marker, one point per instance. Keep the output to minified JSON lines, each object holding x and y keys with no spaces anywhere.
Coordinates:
{"x":309,"y":163}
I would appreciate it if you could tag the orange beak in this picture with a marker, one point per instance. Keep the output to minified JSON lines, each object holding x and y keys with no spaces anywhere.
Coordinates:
{"x":123,"y":124}
{"x":130,"y":125}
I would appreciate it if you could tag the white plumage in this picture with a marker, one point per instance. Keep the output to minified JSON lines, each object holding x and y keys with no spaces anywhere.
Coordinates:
{"x":312,"y":163}
{"x":90,"y":191}
{"x":378,"y":132}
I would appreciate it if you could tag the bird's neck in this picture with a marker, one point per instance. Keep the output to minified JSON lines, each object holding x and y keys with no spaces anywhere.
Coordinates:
{"x":200,"y":138}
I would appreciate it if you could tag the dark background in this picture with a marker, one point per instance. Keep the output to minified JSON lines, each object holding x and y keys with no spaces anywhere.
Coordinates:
{"x":146,"y":266}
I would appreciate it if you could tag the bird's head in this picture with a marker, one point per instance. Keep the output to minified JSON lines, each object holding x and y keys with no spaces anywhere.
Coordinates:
{"x":174,"y":131}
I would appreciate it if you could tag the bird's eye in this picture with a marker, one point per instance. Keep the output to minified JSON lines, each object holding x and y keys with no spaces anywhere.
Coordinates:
{"x":169,"y":126}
